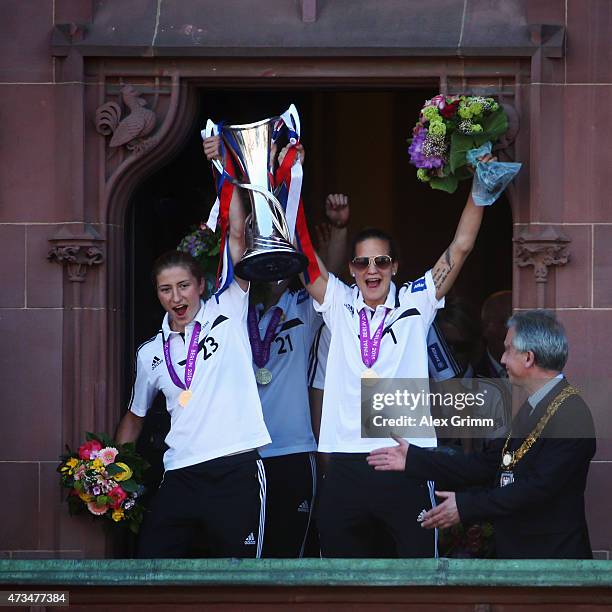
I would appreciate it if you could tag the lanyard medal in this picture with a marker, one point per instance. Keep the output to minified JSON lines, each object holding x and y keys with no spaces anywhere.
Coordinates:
{"x":370,"y":346}
{"x":260,"y":349}
{"x":190,"y":366}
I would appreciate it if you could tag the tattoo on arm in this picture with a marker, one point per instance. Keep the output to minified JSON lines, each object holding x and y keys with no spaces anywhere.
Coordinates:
{"x":442,"y":269}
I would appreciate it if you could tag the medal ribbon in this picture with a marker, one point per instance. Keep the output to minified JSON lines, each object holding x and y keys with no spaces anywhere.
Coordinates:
{"x":190,"y":366}
{"x":370,"y":346}
{"x":260,"y":349}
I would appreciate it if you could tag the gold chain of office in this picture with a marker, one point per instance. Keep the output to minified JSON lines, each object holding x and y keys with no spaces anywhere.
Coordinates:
{"x":509,"y":460}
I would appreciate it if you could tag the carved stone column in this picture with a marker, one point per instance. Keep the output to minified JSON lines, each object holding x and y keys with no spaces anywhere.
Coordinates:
{"x":541,"y":247}
{"x":77,"y":247}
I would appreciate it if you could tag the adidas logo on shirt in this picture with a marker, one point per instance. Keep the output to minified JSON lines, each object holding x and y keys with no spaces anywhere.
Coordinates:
{"x":250,"y":539}
{"x":304,"y":507}
{"x":156,"y":361}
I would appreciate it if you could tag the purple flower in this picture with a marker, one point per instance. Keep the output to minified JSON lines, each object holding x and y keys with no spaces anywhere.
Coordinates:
{"x":417,"y":156}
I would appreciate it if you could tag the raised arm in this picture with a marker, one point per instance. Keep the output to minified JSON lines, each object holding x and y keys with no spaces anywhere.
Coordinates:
{"x":332,"y":236}
{"x":449,"y":265}
{"x":319,"y":287}
{"x":237,"y":213}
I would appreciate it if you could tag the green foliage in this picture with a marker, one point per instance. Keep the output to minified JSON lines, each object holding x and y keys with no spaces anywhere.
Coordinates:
{"x":113,"y":469}
{"x":460,"y":145}
{"x":446,"y":183}
{"x":494,"y":126}
{"x":129,"y":486}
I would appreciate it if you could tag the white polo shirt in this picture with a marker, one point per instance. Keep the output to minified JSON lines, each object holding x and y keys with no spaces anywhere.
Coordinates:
{"x":403,"y":354}
{"x":285,"y":399}
{"x":224,"y":415}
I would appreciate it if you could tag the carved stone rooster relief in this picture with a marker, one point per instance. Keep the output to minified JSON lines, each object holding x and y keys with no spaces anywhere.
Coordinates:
{"x":131,"y":131}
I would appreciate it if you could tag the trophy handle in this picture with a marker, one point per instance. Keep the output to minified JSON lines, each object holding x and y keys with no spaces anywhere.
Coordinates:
{"x":211,"y":129}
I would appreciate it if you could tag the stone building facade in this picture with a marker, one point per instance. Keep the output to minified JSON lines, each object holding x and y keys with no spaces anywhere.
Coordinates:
{"x":73,"y":70}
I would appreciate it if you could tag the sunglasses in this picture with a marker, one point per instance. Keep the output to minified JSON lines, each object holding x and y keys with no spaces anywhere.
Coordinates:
{"x":382,"y":262}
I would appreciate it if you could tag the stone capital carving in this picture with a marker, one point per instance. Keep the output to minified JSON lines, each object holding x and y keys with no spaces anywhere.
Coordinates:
{"x":77,"y":248}
{"x":541,"y":247}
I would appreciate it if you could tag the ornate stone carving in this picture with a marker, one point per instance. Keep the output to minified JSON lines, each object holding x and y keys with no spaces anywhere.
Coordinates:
{"x":135,"y":118}
{"x":541,"y":247}
{"x":77,"y":251}
{"x":131,"y":130}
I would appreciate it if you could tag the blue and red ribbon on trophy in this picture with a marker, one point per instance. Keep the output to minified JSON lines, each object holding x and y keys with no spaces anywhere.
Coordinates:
{"x":286,"y":183}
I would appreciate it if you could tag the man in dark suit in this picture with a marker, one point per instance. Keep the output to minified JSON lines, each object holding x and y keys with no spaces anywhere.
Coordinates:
{"x":533,"y":481}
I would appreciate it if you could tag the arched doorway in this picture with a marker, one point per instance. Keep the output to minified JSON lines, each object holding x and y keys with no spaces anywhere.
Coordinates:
{"x":356,"y":144}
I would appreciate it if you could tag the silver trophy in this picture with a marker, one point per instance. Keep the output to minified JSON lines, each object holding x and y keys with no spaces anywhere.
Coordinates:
{"x":269,"y":254}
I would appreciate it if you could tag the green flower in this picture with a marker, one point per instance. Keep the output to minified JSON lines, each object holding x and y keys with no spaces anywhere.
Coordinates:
{"x":464,"y":112}
{"x":437,"y":128}
{"x":475,"y":108}
{"x":476,"y":127}
{"x":431,"y":113}
{"x":422,"y":175}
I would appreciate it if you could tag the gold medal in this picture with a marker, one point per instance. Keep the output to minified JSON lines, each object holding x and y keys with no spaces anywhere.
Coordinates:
{"x":263,"y":376}
{"x":507,"y":459}
{"x":184,"y":397}
{"x":369,"y":377}
{"x":369,"y":373}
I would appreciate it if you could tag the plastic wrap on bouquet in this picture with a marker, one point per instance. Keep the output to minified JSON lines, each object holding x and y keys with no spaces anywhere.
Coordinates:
{"x":491,"y":178}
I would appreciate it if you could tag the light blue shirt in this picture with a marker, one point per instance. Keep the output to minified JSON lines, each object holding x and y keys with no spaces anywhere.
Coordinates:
{"x":284,"y":400}
{"x":539,"y":395}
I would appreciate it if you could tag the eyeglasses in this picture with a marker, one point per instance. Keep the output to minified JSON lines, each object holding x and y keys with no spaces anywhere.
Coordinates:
{"x":382,"y":262}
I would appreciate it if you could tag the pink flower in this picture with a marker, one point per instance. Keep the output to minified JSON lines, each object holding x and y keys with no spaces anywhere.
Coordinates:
{"x":78,"y":474}
{"x":439,"y":101}
{"x":87,"y":450}
{"x":96,"y":509}
{"x":117,"y":494}
{"x":107,"y":455}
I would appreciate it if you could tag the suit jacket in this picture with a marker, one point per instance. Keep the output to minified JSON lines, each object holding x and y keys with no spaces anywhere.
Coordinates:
{"x":541,"y":514}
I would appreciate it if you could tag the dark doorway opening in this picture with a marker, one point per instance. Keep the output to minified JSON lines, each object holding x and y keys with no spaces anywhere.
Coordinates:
{"x":356,"y":143}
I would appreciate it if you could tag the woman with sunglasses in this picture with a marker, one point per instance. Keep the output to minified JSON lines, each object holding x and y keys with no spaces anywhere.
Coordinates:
{"x":377,"y":331}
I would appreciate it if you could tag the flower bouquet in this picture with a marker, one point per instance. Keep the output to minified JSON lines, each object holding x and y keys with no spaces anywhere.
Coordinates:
{"x":472,"y":542}
{"x":448,"y":128}
{"x":203,"y":245}
{"x":105,"y":479}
